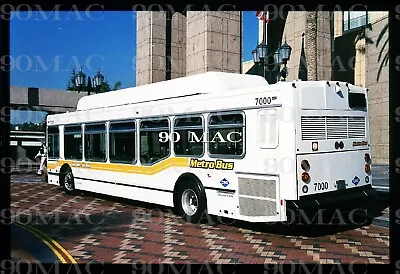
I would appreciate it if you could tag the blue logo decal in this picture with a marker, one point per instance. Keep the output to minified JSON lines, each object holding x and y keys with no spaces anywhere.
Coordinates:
{"x":224,"y":182}
{"x":356,"y":180}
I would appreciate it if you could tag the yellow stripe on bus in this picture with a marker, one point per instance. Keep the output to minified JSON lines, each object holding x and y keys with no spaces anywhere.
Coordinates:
{"x":148,"y":170}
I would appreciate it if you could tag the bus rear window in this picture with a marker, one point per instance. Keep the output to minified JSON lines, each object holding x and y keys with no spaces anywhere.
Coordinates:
{"x":357,"y":101}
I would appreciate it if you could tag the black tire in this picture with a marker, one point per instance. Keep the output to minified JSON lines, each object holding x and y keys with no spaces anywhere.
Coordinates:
{"x":190,"y":201}
{"x":67,"y":182}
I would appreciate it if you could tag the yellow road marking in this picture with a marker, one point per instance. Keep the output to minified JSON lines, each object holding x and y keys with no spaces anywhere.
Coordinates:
{"x":48,"y":241}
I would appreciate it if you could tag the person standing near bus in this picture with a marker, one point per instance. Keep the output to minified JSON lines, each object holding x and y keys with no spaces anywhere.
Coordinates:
{"x":42,"y":153}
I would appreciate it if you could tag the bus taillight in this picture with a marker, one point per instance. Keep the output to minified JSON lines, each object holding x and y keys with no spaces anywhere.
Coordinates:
{"x":367,"y":168}
{"x":305,"y":177}
{"x":367,"y":158}
{"x":305,"y":165}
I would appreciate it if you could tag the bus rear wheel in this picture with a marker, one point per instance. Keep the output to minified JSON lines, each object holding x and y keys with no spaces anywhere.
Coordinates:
{"x":67,"y":182}
{"x":190,"y":203}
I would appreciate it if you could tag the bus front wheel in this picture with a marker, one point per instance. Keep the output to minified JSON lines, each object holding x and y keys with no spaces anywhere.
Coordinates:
{"x":67,"y":182}
{"x":191,"y":203}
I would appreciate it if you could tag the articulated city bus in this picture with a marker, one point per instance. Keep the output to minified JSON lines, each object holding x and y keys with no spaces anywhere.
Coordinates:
{"x":225,"y":144}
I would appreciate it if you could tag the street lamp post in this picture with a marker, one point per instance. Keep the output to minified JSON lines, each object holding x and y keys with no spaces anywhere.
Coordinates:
{"x":80,"y":81}
{"x":282,"y":55}
{"x":263,"y":58}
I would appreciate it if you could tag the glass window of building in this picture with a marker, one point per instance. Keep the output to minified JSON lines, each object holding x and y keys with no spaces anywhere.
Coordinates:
{"x":354,"y":19}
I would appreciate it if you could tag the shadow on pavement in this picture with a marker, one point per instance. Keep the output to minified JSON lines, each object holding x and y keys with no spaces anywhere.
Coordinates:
{"x":317,"y":222}
{"x":311,"y":222}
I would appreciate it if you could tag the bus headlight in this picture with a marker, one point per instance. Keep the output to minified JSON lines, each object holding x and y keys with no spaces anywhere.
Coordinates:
{"x":305,"y":177}
{"x":367,"y":168}
{"x":305,"y":165}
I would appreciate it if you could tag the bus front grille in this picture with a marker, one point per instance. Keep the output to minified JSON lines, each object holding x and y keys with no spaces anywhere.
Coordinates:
{"x":332,"y":127}
{"x":252,"y":197}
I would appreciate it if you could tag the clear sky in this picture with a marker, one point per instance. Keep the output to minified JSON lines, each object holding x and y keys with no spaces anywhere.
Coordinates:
{"x":45,"y":47}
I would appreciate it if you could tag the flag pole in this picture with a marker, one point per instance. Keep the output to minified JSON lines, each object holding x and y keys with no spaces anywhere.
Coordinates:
{"x":264,"y":26}
{"x":264,"y":17}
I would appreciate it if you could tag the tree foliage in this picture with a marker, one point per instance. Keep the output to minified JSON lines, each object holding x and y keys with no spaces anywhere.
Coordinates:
{"x":29,"y":126}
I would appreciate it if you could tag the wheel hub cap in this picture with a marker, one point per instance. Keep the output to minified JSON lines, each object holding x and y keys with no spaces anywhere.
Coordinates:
{"x":189,"y":202}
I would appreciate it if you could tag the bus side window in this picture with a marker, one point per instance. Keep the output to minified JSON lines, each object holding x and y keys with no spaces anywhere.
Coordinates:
{"x":226,"y":134}
{"x":95,"y":143}
{"x":190,"y":130}
{"x":151,"y":149}
{"x":73,"y":142}
{"x":53,"y":140}
{"x":122,"y":142}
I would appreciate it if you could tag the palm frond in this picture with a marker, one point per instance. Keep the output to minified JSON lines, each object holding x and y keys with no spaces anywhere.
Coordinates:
{"x":381,"y":34}
{"x":386,"y":58}
{"x":382,"y":49}
{"x":384,"y":62}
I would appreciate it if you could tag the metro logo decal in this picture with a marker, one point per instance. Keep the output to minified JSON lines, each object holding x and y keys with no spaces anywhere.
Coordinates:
{"x":218,"y":164}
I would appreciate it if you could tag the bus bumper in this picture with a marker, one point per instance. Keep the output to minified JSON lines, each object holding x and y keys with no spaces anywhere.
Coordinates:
{"x":336,"y":198}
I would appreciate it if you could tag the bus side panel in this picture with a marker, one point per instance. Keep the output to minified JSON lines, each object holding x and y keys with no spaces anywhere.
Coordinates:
{"x":153,"y":188}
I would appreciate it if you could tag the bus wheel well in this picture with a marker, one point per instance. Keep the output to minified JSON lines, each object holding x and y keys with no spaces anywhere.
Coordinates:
{"x":188,"y":177}
{"x":63,"y":170}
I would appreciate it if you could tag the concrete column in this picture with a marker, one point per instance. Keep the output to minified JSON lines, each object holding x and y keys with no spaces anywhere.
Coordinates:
{"x":324,"y":49}
{"x":150,"y":47}
{"x":213,"y":42}
{"x":338,"y":19}
{"x":359,"y":67}
{"x":178,"y":51}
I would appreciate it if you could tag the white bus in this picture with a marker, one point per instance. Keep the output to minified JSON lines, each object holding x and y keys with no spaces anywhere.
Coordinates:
{"x":225,"y":144}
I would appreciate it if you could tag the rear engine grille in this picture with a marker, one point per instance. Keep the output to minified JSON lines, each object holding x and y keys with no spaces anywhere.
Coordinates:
{"x":332,"y":127}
